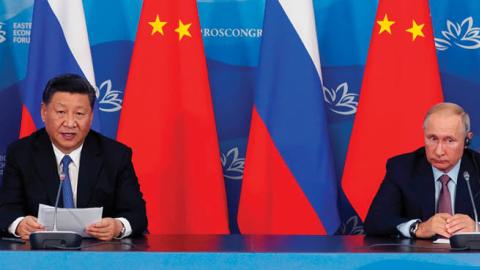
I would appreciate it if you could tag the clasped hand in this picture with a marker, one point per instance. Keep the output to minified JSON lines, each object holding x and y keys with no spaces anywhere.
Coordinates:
{"x":445,"y":225}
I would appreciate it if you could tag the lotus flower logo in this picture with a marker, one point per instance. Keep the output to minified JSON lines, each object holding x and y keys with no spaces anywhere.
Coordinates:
{"x":111,"y":101}
{"x":463,"y":35}
{"x":233,"y":165}
{"x":352,"y":226}
{"x":340,"y":101}
{"x":2,"y":33}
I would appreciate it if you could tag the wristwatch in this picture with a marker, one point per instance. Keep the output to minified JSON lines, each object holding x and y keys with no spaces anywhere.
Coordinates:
{"x":414,"y":228}
{"x":122,"y":232}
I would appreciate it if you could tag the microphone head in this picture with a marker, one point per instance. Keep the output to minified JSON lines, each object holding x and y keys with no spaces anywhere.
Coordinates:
{"x":466,"y":175}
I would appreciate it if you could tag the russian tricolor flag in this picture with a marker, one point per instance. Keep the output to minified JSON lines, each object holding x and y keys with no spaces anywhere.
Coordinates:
{"x":289,"y":184}
{"x":59,"y":44}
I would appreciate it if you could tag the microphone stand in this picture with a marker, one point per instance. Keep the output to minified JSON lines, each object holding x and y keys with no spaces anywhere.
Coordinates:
{"x":55,"y":239}
{"x":467,"y":179}
{"x":467,"y":240}
{"x":62,"y":177}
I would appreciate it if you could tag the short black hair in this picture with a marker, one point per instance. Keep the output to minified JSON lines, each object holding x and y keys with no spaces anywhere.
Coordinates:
{"x":70,"y":83}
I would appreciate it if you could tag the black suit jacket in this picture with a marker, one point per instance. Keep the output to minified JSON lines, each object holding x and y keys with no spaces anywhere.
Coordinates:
{"x":106,"y":179}
{"x":408,"y":192}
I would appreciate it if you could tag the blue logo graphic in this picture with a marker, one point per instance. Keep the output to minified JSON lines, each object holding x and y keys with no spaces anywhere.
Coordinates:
{"x":463,"y":35}
{"x":2,"y":33}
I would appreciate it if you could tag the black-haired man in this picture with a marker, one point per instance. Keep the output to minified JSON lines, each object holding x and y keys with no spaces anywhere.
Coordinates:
{"x":100,"y":170}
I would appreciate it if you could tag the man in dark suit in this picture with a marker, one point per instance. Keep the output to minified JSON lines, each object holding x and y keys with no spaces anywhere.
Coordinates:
{"x":96,"y":171}
{"x":424,"y":193}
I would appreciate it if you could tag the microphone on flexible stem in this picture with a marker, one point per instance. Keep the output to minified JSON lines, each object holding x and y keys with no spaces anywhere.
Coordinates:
{"x":55,"y":239}
{"x":466,"y":176}
{"x":469,"y":240}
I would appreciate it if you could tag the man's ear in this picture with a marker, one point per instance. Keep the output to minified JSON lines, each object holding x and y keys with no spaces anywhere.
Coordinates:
{"x":468,"y":138}
{"x":91,"y":118}
{"x":43,"y":111}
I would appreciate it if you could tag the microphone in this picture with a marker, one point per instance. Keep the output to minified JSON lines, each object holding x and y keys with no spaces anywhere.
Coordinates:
{"x":55,"y":239}
{"x":466,"y":176}
{"x":467,"y":240}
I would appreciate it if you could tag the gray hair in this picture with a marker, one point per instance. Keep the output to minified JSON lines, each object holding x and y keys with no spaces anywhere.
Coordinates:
{"x":451,"y":108}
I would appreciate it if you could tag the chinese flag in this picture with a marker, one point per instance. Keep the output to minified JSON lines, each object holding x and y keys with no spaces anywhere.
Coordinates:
{"x":401,"y":82}
{"x":168,"y":121}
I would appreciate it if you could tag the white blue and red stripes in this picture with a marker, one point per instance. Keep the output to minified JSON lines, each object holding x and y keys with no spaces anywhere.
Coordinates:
{"x":59,"y":44}
{"x":288,"y":101}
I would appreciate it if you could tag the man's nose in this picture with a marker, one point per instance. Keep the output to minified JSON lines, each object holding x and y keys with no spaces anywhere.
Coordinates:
{"x":70,"y":121}
{"x":439,"y":149}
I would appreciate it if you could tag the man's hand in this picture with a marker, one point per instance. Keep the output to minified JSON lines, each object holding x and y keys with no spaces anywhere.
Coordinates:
{"x":106,"y":229}
{"x":437,"y":224}
{"x":28,"y":225}
{"x":460,"y":223}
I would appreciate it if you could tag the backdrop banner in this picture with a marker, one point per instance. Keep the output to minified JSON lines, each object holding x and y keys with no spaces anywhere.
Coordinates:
{"x":231,"y":32}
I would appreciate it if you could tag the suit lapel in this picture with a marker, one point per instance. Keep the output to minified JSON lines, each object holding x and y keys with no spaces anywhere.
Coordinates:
{"x":46,"y":164}
{"x":426,"y":192}
{"x":471,"y":165}
{"x":462,"y":197}
{"x":90,"y":164}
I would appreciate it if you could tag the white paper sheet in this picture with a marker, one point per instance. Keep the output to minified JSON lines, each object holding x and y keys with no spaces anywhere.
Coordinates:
{"x":69,"y":219}
{"x":442,"y":241}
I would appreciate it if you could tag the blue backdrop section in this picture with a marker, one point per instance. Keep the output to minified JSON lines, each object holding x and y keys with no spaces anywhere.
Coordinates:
{"x":232,"y":31}
{"x":112,"y":26}
{"x":231,"y":34}
{"x":15,"y":23}
{"x":232,"y":93}
{"x":344,"y":28}
{"x":457,"y":38}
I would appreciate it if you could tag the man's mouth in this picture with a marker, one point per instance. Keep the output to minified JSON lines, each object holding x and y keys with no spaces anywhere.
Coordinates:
{"x":67,"y":135}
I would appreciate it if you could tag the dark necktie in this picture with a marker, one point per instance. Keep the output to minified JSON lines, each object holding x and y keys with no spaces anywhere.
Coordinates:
{"x":67,"y":185}
{"x":444,"y":200}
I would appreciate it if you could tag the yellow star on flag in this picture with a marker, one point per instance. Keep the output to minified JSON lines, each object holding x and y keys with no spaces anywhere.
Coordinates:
{"x":385,"y":25}
{"x":182,"y":30}
{"x":416,"y":30}
{"x":157,"y":26}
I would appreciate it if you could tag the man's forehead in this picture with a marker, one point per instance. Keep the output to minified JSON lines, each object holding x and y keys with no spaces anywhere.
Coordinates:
{"x":444,"y":118}
{"x":66,"y":96}
{"x":68,"y":93}
{"x":445,"y":113}
{"x":446,"y":124}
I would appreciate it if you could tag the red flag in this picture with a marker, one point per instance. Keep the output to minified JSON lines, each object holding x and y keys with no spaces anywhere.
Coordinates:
{"x":27,"y":126}
{"x":400,"y":84}
{"x":168,"y":121}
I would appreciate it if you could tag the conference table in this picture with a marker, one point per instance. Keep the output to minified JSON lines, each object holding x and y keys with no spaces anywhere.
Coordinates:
{"x":242,"y":252}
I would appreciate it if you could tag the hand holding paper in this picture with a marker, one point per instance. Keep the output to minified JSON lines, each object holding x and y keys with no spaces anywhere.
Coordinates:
{"x":69,"y":219}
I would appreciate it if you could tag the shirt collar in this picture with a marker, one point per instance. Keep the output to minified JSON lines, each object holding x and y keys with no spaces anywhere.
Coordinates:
{"x":74,"y":155}
{"x":453,"y":173}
